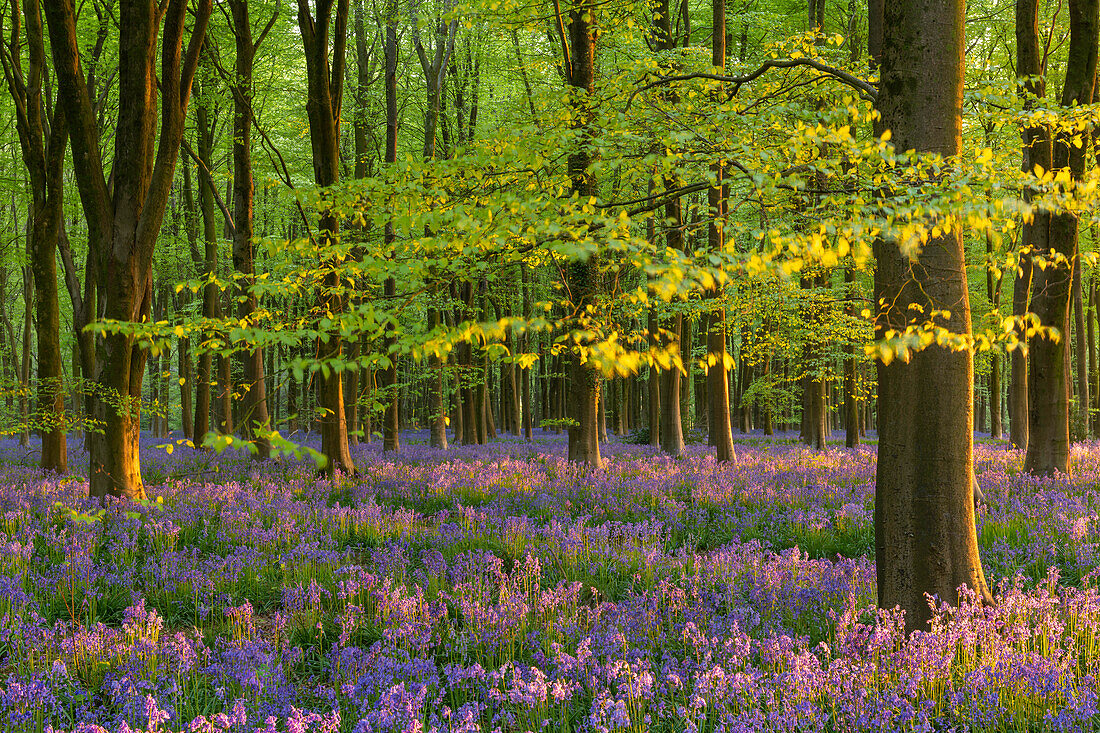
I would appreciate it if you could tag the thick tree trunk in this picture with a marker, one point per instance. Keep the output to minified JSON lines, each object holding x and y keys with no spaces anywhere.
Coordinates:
{"x":125,"y":220}
{"x":1054,"y":235}
{"x":323,"y":104}
{"x":583,"y":277}
{"x":925,"y":538}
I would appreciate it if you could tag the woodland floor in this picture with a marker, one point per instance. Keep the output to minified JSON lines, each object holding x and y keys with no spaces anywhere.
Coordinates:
{"x":502,"y":588}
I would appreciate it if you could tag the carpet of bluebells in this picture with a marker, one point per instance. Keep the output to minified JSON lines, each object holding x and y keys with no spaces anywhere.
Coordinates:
{"x":501,"y":588}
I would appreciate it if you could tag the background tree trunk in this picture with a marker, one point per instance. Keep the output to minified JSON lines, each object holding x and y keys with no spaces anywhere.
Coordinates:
{"x":254,"y":408}
{"x":1054,"y":233}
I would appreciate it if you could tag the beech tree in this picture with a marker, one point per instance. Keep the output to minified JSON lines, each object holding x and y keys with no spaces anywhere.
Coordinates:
{"x":579,"y":63}
{"x":1052,"y":234}
{"x":43,"y":139}
{"x":925,"y":539}
{"x":325,"y":75}
{"x":254,"y":400}
{"x":124,"y":219}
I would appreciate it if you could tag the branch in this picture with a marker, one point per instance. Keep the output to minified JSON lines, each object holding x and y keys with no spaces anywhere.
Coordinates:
{"x":213,"y":187}
{"x":866,"y":90}
{"x":269,"y":26}
{"x":566,"y":56}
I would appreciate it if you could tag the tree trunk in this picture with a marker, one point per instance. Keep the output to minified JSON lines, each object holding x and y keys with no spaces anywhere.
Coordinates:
{"x":254,"y":409}
{"x":42,"y":142}
{"x":654,"y":385}
{"x":525,"y":374}
{"x":1054,"y":233}
{"x":718,"y":384}
{"x":211,"y":305}
{"x":851,"y":406}
{"x":993,"y":292}
{"x":1082,"y":428}
{"x":1094,"y":369}
{"x":1017,"y":390}
{"x":183,"y":359}
{"x":436,"y":403}
{"x":124,"y":221}
{"x":25,"y":357}
{"x":583,"y":277}
{"x":323,"y":104}
{"x":925,"y":538}
{"x":391,"y":440}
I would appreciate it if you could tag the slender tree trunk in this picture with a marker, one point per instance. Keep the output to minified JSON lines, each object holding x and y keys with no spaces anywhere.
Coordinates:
{"x":525,"y":374}
{"x":1017,"y":392}
{"x":993,"y":292}
{"x":1083,"y":403}
{"x":391,"y":440}
{"x":851,"y":405}
{"x":25,"y":357}
{"x":253,"y":403}
{"x":210,"y":304}
{"x":654,"y":385}
{"x":43,"y":142}
{"x":437,"y":405}
{"x":1094,"y":369}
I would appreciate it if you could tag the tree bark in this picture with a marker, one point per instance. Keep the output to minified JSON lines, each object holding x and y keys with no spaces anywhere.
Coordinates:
{"x":254,"y":409}
{"x":718,"y":384}
{"x":1017,"y":389}
{"x":525,"y":374}
{"x":993,"y":291}
{"x":925,"y":539}
{"x":583,"y":277}
{"x":1082,"y":362}
{"x":325,"y":91}
{"x":851,"y":405}
{"x":1053,"y":235}
{"x":391,"y":440}
{"x":1094,"y":371}
{"x":43,"y":142}
{"x":124,"y":222}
